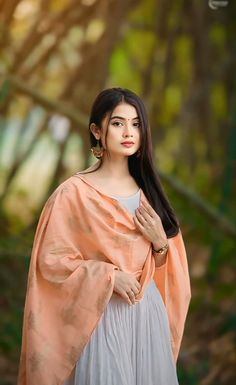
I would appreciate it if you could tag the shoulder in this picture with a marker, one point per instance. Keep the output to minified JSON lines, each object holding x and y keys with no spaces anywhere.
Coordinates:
{"x":68,"y":197}
{"x":67,"y":191}
{"x":71,"y":184}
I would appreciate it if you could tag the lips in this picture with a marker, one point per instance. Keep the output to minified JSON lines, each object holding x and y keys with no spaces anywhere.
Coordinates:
{"x":127,"y":144}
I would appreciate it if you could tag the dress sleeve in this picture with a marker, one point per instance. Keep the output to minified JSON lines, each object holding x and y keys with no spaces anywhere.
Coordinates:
{"x":172,"y":279}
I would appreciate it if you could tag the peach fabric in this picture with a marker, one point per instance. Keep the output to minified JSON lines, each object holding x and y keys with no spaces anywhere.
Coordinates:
{"x":82,"y":236}
{"x":172,"y":280}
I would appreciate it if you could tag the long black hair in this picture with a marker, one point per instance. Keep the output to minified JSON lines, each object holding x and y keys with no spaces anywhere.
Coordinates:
{"x":141,"y":167}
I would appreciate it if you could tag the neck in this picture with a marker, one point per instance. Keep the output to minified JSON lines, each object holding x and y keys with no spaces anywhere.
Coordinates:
{"x":115,"y":167}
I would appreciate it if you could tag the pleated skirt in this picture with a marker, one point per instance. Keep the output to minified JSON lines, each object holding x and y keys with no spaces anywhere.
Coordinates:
{"x":130,"y":346}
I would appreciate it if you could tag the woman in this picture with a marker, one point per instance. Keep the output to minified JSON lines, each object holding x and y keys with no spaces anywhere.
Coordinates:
{"x":108,"y":288}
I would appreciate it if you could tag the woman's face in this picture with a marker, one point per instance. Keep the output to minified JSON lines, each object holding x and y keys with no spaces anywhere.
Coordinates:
{"x":123,"y":126}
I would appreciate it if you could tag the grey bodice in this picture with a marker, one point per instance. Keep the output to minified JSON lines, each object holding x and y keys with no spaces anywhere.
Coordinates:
{"x":131,"y":202}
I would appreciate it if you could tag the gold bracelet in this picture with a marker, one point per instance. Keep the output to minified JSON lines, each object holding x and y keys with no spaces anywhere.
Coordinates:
{"x":162,"y":250}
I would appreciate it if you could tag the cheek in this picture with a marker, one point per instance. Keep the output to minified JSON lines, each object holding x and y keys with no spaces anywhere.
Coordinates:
{"x":112,"y":135}
{"x":138,"y":136}
{"x":111,"y":138}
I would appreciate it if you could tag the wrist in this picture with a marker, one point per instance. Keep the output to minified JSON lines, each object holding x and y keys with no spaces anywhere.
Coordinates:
{"x":160,"y":250}
{"x":160,"y":255}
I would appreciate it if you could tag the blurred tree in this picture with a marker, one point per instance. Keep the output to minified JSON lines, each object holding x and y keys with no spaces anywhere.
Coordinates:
{"x":55,"y":56}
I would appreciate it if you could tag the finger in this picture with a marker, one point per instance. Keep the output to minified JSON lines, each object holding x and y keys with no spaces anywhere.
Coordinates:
{"x":138,"y":286}
{"x":149,"y":208}
{"x":139,"y":225}
{"x":125,"y":296}
{"x":145,"y":214}
{"x":131,"y":296}
{"x":140,"y":217}
{"x":145,"y":223}
{"x":135,"y":290}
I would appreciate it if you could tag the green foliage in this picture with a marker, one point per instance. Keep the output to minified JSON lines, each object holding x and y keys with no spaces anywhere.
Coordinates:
{"x":4,"y":91}
{"x":179,"y":56}
{"x":122,"y":68}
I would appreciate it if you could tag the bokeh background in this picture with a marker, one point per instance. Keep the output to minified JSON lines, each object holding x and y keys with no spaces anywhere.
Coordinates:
{"x":179,"y":56}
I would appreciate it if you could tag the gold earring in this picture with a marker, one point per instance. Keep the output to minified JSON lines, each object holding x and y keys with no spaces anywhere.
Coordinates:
{"x":97,"y":151}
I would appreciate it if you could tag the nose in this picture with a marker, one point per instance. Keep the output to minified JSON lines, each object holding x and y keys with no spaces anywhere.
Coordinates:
{"x":128,"y":130}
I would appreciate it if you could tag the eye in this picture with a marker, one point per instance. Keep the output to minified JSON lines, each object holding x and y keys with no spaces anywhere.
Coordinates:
{"x":137,"y":124}
{"x":117,"y":124}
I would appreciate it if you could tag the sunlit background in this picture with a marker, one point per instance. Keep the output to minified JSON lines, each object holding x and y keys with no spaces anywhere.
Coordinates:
{"x":179,"y":56}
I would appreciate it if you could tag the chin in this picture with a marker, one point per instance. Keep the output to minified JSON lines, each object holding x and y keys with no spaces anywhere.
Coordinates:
{"x":125,"y":152}
{"x":129,"y":152}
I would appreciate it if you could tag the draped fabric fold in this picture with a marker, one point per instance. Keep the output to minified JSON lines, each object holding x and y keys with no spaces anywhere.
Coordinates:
{"x":172,"y":279}
{"x":82,"y":236}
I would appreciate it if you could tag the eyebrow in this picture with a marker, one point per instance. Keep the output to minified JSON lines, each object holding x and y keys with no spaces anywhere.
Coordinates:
{"x":120,"y":117}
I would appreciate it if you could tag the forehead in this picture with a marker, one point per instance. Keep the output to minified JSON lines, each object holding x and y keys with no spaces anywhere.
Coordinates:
{"x":125,"y":110}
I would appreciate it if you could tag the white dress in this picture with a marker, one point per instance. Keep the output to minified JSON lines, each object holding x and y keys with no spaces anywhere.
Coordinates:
{"x":131,"y":344}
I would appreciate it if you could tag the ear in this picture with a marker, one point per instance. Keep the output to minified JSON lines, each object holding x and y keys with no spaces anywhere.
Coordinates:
{"x":96,"y":131}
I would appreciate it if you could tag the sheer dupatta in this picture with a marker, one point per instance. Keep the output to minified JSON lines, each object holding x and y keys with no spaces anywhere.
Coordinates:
{"x":82,"y":236}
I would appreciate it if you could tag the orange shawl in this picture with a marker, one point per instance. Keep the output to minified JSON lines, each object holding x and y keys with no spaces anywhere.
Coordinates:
{"x":82,"y":236}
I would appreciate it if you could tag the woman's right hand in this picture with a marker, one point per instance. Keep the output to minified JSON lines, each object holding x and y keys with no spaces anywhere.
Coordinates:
{"x":127,"y":286}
